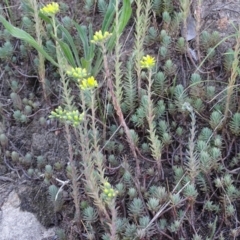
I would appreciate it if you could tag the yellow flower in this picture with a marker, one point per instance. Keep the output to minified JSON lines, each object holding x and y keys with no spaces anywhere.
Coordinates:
{"x":88,"y":83}
{"x":50,"y":9}
{"x":147,"y":62}
{"x":100,"y":37}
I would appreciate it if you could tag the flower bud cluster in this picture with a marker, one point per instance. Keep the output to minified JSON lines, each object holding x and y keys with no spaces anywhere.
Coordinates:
{"x":70,"y":117}
{"x":100,"y":37}
{"x":81,"y":75}
{"x":108,"y":192}
{"x":77,"y":73}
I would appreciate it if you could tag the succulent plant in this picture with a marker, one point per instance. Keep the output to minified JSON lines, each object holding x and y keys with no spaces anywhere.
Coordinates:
{"x":3,"y":140}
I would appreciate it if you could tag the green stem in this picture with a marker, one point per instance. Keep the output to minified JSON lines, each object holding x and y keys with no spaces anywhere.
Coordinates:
{"x":41,"y":66}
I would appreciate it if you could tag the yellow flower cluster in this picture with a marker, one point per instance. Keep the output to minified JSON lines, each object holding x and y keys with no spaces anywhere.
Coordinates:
{"x":50,"y":9}
{"x":78,"y":73}
{"x":88,"y":83}
{"x":100,"y":37}
{"x":147,"y":62}
{"x":71,"y":117}
{"x":81,"y":75}
{"x":108,"y":192}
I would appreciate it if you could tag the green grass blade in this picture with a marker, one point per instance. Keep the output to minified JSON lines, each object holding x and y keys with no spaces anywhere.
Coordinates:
{"x":24,"y":36}
{"x":98,"y":63}
{"x":108,"y":18}
{"x":88,"y":48}
{"x":125,"y":14}
{"x":91,"y":46}
{"x":71,"y":43}
{"x":83,"y":36}
{"x":67,"y":53}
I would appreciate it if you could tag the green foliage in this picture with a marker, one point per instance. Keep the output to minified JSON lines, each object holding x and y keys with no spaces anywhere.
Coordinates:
{"x":180,"y":96}
{"x":28,"y":25}
{"x":16,"y":100}
{"x":168,"y":6}
{"x":190,"y":192}
{"x":145,"y":148}
{"x":156,"y":6}
{"x":102,"y":7}
{"x":159,"y":84}
{"x":5,"y":35}
{"x":14,"y":155}
{"x":50,"y":48}
{"x":153,"y":205}
{"x":209,"y":40}
{"x":205,"y":134}
{"x":164,"y":52}
{"x":192,"y":164}
{"x":21,"y":34}
{"x":190,"y":143}
{"x":132,"y":192}
{"x":196,"y":80}
{"x":3,"y":139}
{"x":175,"y":24}
{"x":159,"y":193}
{"x":174,"y":227}
{"x":152,"y":36}
{"x":181,"y":46}
{"x":89,"y":5}
{"x":211,"y":54}
{"x":67,"y":23}
{"x":124,"y":16}
{"x":198,"y":105}
{"x":210,"y":206}
{"x":234,"y":124}
{"x":56,"y":197}
{"x":6,"y":51}
{"x":90,"y":215}
{"x":134,"y":137}
{"x":169,"y":68}
{"x":228,"y":60}
{"x":130,"y":89}
{"x":20,"y":117}
{"x":130,"y":231}
{"x":165,"y":39}
{"x":166,"y":18}
{"x":216,"y":120}
{"x":202,"y":183}
{"x":160,"y":109}
{"x":136,"y":208}
{"x":139,"y":117}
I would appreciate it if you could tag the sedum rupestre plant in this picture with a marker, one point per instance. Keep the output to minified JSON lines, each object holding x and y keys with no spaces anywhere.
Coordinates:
{"x":150,"y":139}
